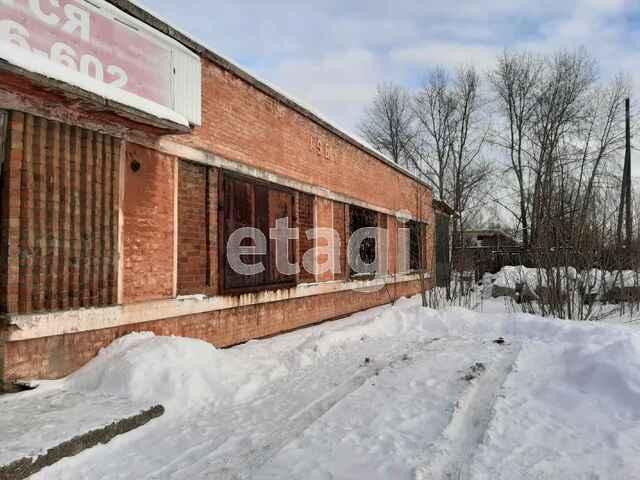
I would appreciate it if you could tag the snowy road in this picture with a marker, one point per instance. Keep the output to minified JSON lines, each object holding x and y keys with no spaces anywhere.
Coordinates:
{"x":396,"y":393}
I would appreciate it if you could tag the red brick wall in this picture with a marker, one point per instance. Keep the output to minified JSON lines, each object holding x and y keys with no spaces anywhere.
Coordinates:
{"x":60,"y":217}
{"x":306,"y":221}
{"x":148,"y":225}
{"x":243,"y":124}
{"x":340,"y":226}
{"x":324,"y":220}
{"x":55,"y":357}
{"x":392,"y":227}
{"x":197,"y":228}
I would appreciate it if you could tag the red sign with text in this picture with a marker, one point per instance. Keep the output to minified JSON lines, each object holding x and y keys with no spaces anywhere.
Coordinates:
{"x":92,"y":40}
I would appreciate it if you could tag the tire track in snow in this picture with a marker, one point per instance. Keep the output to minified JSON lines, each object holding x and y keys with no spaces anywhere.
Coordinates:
{"x":454,"y":452}
{"x":300,"y":421}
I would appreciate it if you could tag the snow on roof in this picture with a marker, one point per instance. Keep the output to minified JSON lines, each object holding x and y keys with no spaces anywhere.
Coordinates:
{"x":146,"y":15}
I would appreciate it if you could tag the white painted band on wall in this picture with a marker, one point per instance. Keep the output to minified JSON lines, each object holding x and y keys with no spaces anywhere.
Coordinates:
{"x":33,"y":326}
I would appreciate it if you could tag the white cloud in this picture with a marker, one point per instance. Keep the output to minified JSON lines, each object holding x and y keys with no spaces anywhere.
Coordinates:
{"x":450,"y":54}
{"x":333,"y":53}
{"x":338,"y":84}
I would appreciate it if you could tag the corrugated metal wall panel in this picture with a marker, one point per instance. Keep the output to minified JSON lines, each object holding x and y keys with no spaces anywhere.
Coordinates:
{"x":187,"y":87}
{"x":68,"y":220}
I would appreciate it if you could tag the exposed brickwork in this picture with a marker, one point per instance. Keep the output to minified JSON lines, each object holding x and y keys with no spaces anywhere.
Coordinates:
{"x":195,"y":269}
{"x":244,"y":124}
{"x":56,"y":229}
{"x":148,"y":225}
{"x":324,"y":220}
{"x":55,"y":357}
{"x":306,"y":212}
{"x":60,"y":205}
{"x":392,"y":233}
{"x":383,"y":244}
{"x":340,"y":226}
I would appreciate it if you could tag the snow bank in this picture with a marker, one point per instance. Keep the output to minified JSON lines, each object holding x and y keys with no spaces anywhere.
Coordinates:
{"x":594,"y":282}
{"x":177,"y":372}
{"x":184,"y":372}
{"x":370,"y":395}
{"x":624,"y":278}
{"x":509,"y":277}
{"x":569,"y":409}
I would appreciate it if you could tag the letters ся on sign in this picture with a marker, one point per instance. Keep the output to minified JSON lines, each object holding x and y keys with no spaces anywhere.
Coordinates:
{"x":86,"y":39}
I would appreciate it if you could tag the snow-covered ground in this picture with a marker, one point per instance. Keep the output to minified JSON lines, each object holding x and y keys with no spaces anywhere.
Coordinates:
{"x":393,"y":393}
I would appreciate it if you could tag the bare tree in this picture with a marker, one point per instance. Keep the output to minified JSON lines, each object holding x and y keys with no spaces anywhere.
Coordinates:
{"x":469,"y":170}
{"x":516,"y":81}
{"x":560,"y":108}
{"x":388,"y":122}
{"x":562,"y":129}
{"x":600,"y":139}
{"x":435,"y":111}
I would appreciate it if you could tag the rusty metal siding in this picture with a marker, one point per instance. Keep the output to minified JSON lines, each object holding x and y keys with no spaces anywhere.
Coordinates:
{"x":4,"y":219}
{"x":67,"y":233}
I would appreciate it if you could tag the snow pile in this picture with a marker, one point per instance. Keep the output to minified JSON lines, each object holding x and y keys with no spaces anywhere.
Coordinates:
{"x":182,"y":373}
{"x":381,"y":394}
{"x":569,"y":409}
{"x":509,"y":277}
{"x":595,"y":283}
{"x":621,"y":279}
{"x":179,"y":373}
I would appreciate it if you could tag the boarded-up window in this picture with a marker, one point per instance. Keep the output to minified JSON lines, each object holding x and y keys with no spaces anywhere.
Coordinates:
{"x":363,"y":254}
{"x":340,"y":215}
{"x":249,"y":204}
{"x":306,"y":223}
{"x":197,"y":202}
{"x":416,"y":245}
{"x":281,"y":207}
{"x":66,"y":179}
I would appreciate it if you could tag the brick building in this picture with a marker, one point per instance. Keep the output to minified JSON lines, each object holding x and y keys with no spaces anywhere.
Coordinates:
{"x":125,"y":170}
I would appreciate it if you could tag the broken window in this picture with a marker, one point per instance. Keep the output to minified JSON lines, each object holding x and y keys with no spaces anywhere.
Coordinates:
{"x":362,"y":254}
{"x":255,"y":207}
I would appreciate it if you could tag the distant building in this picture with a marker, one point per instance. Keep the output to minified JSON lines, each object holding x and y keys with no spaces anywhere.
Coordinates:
{"x":488,"y":239}
{"x":484,"y":251}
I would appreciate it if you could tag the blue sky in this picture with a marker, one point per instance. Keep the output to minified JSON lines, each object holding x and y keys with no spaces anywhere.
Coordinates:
{"x":331,"y":54}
